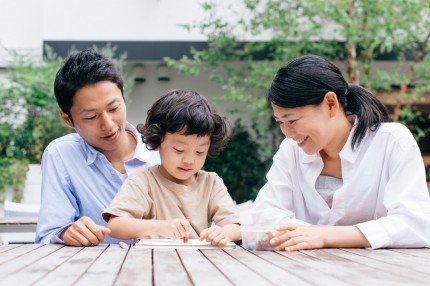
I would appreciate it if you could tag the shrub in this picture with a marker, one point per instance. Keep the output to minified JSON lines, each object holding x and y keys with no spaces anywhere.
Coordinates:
{"x":240,"y":165}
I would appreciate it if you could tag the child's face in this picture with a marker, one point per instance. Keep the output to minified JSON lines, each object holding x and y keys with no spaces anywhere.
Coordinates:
{"x":99,"y":116}
{"x":183,"y":156}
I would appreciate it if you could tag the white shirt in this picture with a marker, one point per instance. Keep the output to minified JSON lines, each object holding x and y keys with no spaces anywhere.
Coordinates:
{"x":384,"y":191}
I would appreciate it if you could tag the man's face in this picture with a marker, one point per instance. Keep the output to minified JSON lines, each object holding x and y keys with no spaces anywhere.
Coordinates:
{"x":99,"y":115}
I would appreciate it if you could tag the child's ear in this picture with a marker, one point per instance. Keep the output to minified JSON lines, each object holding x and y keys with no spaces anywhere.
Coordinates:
{"x":66,"y":118}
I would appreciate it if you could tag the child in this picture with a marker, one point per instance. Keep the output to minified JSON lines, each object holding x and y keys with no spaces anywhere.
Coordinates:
{"x":155,"y":201}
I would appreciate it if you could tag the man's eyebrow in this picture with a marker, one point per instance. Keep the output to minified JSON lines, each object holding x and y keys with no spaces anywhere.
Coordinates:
{"x":283,"y":116}
{"x":93,"y":109}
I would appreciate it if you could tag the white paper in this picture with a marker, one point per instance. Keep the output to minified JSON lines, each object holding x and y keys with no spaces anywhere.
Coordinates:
{"x":179,"y":243}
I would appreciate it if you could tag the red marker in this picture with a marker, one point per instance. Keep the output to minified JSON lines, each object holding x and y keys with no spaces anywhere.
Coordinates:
{"x":186,"y":235}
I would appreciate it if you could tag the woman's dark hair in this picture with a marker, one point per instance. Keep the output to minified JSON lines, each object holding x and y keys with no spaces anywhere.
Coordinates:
{"x":187,"y":112}
{"x":306,"y":80}
{"x":80,"y":69}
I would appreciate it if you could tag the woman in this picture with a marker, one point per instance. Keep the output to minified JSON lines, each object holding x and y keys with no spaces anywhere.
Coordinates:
{"x":344,"y":176}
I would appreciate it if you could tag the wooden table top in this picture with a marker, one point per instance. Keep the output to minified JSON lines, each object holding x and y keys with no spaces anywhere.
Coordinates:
{"x":38,"y":264}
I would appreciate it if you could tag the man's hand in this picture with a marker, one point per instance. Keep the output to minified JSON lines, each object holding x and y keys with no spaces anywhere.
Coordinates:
{"x":84,"y":232}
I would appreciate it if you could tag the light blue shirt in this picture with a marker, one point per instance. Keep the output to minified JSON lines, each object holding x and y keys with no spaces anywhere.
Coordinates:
{"x":78,"y":180}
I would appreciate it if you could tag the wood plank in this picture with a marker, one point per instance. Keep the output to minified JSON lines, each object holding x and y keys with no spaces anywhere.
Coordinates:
{"x":168,"y":268}
{"x":16,"y":252}
{"x":234,"y":270}
{"x":300,"y":270}
{"x":72,"y":269}
{"x":419,"y":252}
{"x":200,"y":269}
{"x":105,"y":269}
{"x":267,"y":270}
{"x":136,"y":269}
{"x":409,"y":276}
{"x":420,"y":264}
{"x":15,"y":265}
{"x":40,"y":268}
{"x":7,"y":247}
{"x":347,"y":271}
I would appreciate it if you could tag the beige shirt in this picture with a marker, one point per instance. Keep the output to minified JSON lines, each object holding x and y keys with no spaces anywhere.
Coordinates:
{"x":147,"y":194}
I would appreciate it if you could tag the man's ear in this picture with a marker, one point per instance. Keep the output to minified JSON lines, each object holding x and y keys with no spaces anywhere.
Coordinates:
{"x":332,"y":103}
{"x":66,"y":118}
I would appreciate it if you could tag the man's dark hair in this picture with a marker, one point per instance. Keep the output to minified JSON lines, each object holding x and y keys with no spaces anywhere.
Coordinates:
{"x":80,"y":69}
{"x":187,"y":112}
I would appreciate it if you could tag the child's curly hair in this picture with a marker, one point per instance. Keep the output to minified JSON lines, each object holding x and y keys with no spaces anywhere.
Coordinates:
{"x":187,"y":112}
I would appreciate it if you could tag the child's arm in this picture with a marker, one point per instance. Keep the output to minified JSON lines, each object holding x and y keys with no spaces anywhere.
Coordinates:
{"x":293,"y":237}
{"x":221,"y":235}
{"x":129,"y":228}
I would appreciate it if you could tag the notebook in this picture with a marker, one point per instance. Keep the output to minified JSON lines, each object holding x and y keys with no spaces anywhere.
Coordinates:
{"x":179,"y":243}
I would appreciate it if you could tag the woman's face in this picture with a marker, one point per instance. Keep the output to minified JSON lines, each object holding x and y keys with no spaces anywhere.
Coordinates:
{"x":310,"y":126}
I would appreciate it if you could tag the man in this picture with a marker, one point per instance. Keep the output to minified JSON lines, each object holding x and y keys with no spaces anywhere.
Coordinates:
{"x":82,"y":172}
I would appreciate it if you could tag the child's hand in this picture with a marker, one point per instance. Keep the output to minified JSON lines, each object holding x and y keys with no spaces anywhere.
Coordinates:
{"x":293,"y":237}
{"x":174,"y":229}
{"x":216,"y":235}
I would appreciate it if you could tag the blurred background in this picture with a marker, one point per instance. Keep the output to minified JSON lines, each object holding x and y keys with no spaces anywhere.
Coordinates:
{"x":228,"y":50}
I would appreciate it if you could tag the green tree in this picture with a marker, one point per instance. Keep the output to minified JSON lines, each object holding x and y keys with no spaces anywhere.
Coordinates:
{"x":354,"y":31}
{"x":240,"y":165}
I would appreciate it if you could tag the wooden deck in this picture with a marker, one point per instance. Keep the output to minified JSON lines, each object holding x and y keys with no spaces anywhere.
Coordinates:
{"x":36,"y":264}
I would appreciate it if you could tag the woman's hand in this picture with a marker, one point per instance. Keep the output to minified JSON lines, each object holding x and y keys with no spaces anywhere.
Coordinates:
{"x":292,"y":237}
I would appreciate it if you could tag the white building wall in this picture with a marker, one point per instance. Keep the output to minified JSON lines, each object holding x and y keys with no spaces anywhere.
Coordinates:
{"x":125,"y":20}
{"x":21,"y":28}
{"x":25,"y":24}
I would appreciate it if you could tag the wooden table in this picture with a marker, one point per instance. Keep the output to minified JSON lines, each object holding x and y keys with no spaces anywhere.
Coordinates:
{"x":37,"y":264}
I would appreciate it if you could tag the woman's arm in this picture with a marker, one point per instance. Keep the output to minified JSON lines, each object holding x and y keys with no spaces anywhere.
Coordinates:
{"x":293,"y":237}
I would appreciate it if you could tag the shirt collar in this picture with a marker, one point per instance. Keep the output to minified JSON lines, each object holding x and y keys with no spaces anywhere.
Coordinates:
{"x":141,"y":153}
{"x":347,"y":153}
